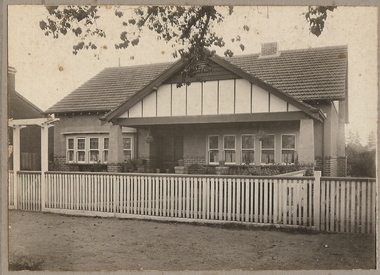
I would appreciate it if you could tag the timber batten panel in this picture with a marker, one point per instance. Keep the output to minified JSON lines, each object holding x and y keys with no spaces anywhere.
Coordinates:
{"x":164,"y":100}
{"x":222,"y":97}
{"x":210,"y":92}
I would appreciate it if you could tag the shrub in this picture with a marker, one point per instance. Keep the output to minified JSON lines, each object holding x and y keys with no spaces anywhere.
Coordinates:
{"x":269,"y":170}
{"x":25,"y":263}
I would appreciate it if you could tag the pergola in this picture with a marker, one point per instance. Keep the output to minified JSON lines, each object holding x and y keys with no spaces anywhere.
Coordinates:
{"x":17,"y":125}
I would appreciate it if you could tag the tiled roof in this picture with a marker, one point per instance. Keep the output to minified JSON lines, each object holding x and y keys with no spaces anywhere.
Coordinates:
{"x":109,"y":88}
{"x":307,"y":74}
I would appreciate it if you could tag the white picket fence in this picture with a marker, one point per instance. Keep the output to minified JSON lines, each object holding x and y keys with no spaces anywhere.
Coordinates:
{"x":27,"y":194}
{"x":348,"y":205}
{"x":328,"y":204}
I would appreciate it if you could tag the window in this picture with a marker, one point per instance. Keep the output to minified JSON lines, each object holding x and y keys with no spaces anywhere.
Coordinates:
{"x":213,"y":149}
{"x":105,"y":151}
{"x":81,"y":149}
{"x":70,"y":150}
{"x":288,"y":146}
{"x":94,"y":150}
{"x":267,"y":149}
{"x":127,"y":148}
{"x":229,"y":149}
{"x":247,"y":149}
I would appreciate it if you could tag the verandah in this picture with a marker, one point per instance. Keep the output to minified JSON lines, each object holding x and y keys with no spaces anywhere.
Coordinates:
{"x":327,"y":204}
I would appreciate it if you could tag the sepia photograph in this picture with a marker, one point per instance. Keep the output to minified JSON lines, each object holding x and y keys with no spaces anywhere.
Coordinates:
{"x":191,"y":137}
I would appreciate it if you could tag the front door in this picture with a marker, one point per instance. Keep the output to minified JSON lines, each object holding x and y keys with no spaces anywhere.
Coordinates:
{"x":170,"y":150}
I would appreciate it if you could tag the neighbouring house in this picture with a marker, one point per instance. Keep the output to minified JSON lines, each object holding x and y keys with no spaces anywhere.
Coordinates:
{"x":272,"y":107}
{"x":30,"y":137}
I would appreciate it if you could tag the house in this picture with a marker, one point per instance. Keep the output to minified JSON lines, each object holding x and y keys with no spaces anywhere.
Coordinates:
{"x":30,"y":137}
{"x":271,"y":107}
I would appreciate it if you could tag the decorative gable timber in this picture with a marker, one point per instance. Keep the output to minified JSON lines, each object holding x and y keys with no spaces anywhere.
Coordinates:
{"x":221,"y":97}
{"x":135,"y":104}
{"x":209,"y":73}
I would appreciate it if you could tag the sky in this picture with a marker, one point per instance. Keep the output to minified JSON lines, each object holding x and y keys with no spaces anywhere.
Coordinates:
{"x":47,"y":70}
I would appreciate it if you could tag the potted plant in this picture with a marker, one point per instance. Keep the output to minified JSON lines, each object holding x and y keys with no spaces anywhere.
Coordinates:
{"x":262,"y":135}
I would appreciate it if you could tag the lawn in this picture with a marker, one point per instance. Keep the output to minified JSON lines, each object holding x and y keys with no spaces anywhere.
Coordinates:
{"x":59,"y":242}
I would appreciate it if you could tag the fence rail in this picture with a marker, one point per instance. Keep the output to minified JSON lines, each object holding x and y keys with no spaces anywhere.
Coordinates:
{"x":328,"y":204}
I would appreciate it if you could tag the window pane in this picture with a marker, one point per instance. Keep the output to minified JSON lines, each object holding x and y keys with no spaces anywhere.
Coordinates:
{"x":213,"y":142}
{"x":267,"y":156}
{"x":71,"y":143}
{"x":81,"y":144}
{"x":94,"y":143}
{"x":268,"y":142}
{"x":106,"y":143}
{"x":229,"y":156}
{"x":288,"y":156}
{"x":94,"y":155}
{"x":81,"y":156}
{"x":229,"y":142}
{"x":248,"y":156}
{"x":127,"y":154}
{"x":214,"y":156}
{"x":105,"y":159}
{"x":289,"y":141}
{"x":247,"y":142}
{"x":127,"y":143}
{"x":71,"y":155}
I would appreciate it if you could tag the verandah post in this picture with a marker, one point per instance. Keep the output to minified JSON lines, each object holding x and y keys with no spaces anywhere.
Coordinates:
{"x":44,"y":161}
{"x":16,"y":162}
{"x":317,"y":199}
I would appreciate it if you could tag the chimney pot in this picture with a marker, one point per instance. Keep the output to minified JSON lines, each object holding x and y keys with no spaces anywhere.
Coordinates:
{"x":269,"y":49}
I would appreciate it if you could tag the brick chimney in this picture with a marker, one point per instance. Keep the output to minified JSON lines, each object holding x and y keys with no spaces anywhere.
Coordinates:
{"x":269,"y":49}
{"x":11,"y":79}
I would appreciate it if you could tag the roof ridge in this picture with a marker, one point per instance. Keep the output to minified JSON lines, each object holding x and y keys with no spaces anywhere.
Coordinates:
{"x":141,"y":65}
{"x":235,"y":56}
{"x":291,"y":50}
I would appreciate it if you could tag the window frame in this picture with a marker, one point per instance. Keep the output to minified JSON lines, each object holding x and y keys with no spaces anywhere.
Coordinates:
{"x":229,"y":149}
{"x":80,"y":150}
{"x":247,"y":149}
{"x":268,"y":149}
{"x":105,"y":150}
{"x":68,"y":150}
{"x":94,"y":150}
{"x":209,"y":150}
{"x":131,"y":149}
{"x":289,"y":149}
{"x":101,"y":137}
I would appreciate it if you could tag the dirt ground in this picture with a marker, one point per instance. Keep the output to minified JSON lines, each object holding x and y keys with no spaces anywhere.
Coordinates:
{"x":60,"y":242}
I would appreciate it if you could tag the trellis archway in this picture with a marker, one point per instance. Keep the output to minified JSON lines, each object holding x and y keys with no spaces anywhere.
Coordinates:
{"x":17,"y":125}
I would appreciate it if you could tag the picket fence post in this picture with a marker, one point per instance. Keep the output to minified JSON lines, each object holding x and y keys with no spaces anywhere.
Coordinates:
{"x":317,"y":199}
